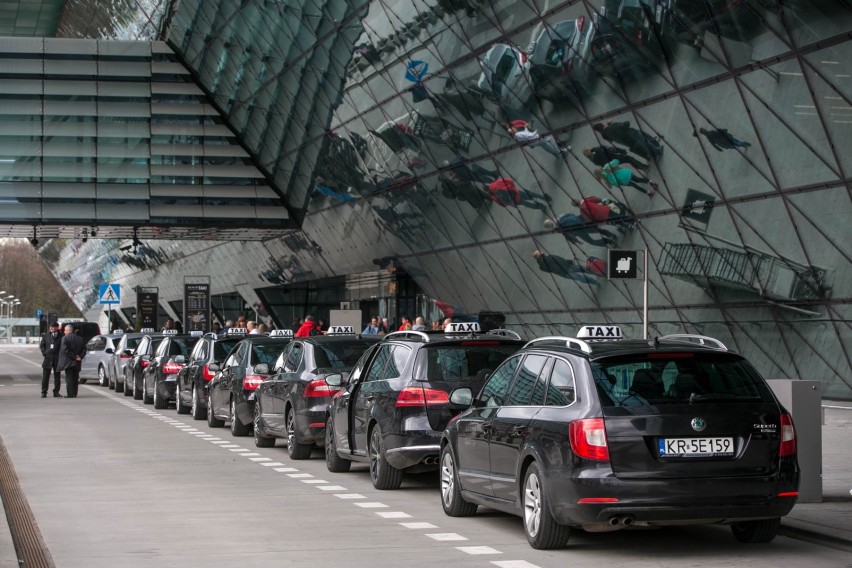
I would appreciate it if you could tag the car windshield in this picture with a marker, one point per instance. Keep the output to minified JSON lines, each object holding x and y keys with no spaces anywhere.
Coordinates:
{"x":339,"y":355}
{"x":266,"y":352}
{"x":456,"y":363}
{"x":659,"y":378}
{"x":132,"y":342}
{"x":222,"y":348}
{"x":504,"y":66}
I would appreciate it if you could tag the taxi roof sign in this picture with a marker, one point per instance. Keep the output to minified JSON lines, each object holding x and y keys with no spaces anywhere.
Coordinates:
{"x":281,"y":333}
{"x":600,"y":333}
{"x":341,"y":330}
{"x":236,"y":331}
{"x":462,"y":327}
{"x":147,"y":330}
{"x":196,"y":333}
{"x":170,"y":332}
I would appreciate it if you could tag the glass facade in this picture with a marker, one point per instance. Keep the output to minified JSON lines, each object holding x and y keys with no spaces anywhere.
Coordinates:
{"x":496,"y":151}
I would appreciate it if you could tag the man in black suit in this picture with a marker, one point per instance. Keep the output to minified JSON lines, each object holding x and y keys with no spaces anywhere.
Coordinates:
{"x":71,"y":353}
{"x":49,"y":345}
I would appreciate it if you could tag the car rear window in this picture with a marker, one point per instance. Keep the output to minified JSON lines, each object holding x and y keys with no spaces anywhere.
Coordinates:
{"x":457,"y":363}
{"x":222,"y":348}
{"x":339,"y":355}
{"x":182,"y":346}
{"x":266,"y":352}
{"x":132,"y":342}
{"x":658,"y":378}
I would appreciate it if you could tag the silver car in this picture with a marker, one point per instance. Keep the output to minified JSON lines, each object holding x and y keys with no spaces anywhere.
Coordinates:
{"x":506,"y":76}
{"x":561,"y":59}
{"x":99,"y":349}
{"x":121,"y":356}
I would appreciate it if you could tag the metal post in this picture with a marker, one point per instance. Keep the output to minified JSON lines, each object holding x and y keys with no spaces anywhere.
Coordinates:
{"x":645,"y":298}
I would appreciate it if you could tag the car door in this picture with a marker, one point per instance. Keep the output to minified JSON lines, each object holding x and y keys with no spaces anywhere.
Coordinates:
{"x":283,"y":380}
{"x":361,"y":403}
{"x":510,"y":425}
{"x":94,"y":355}
{"x":220,"y":395}
{"x":339,"y":410}
{"x":473,"y":426}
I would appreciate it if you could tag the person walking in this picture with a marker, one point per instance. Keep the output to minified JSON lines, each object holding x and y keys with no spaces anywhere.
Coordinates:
{"x":505,"y":193}
{"x":606,"y":210}
{"x":419,"y":324}
{"x":641,"y":144}
{"x":616,"y":175}
{"x":308,"y":327}
{"x":564,"y":267}
{"x":602,"y":155}
{"x":721,"y":139}
{"x":524,"y":133}
{"x":405,"y":325}
{"x":71,"y":353}
{"x":49,"y":345}
{"x":251,"y":328}
{"x":574,"y":228}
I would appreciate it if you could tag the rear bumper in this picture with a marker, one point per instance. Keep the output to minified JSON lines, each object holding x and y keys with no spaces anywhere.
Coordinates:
{"x":408,"y":456}
{"x":310,"y":423}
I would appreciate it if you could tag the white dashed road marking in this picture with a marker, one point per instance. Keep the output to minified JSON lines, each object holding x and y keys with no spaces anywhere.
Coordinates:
{"x":419,"y":525}
{"x":446,"y":536}
{"x":513,"y":564}
{"x":371,"y":505}
{"x":393,"y":515}
{"x":478,"y":550}
{"x":349,"y":496}
{"x":332,"y":488}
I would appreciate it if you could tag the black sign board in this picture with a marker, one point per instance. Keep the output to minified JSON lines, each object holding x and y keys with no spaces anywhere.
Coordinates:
{"x":196,"y":307}
{"x":622,"y":264}
{"x":698,"y":206}
{"x":146,"y":308}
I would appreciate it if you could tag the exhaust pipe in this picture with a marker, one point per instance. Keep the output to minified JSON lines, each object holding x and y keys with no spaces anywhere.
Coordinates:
{"x":620,"y":521}
{"x":430,"y":460}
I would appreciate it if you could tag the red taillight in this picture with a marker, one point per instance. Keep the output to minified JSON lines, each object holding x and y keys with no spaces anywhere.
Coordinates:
{"x":144,"y":363}
{"x":251,"y":382}
{"x":588,"y":439}
{"x":172,"y":368}
{"x":205,"y":372}
{"x":597,"y":500}
{"x":523,"y":57}
{"x":125,"y":356}
{"x":788,"y":436}
{"x":419,"y":396}
{"x":789,"y":494}
{"x":318,"y":387}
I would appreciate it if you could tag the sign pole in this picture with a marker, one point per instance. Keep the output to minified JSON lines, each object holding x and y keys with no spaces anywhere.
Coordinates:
{"x":645,"y":298}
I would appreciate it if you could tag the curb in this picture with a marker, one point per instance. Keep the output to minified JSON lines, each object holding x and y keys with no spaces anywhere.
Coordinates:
{"x":801,"y":531}
{"x":8,"y":556}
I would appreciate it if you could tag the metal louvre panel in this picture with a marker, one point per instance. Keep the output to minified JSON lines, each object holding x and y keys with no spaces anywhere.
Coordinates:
{"x":194,"y":109}
{"x":226,"y":151}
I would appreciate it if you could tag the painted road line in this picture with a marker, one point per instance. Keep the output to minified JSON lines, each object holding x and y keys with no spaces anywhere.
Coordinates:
{"x":371,"y":505}
{"x":272,"y":463}
{"x":332,"y":488}
{"x":349,"y":496}
{"x":285,"y":469}
{"x":513,"y":564}
{"x":419,"y":525}
{"x":478,"y":550}
{"x":446,"y":536}
{"x":393,"y":515}
{"x":299,"y":475}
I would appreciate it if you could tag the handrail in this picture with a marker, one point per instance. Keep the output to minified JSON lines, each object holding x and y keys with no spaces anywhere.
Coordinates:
{"x":407,"y":335}
{"x":693,"y":338}
{"x":505,"y":333}
{"x":571,"y":342}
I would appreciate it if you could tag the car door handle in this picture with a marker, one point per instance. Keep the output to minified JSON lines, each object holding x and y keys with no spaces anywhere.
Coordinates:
{"x":486,"y":428}
{"x":519,"y":430}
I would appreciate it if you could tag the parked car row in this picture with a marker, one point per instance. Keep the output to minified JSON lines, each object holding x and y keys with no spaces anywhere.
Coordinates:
{"x":597,"y":432}
{"x":625,"y":39}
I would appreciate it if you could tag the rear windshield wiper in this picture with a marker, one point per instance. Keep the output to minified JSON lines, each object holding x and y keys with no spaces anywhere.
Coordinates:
{"x":695,"y":397}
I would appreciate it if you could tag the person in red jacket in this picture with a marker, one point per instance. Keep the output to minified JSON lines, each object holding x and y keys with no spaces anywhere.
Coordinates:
{"x":307,"y":327}
{"x":597,"y":210}
{"x":505,"y":193}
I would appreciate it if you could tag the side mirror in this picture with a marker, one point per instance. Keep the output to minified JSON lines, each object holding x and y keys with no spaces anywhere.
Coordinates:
{"x":109,"y":350}
{"x":461,"y":397}
{"x":145,"y":358}
{"x":127,"y":353}
{"x":180,"y":360}
{"x":213,"y":367}
{"x":261,"y":369}
{"x":334,"y":380}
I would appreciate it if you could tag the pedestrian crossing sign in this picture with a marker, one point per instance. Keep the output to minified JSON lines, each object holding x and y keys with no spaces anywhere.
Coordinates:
{"x":110,"y":294}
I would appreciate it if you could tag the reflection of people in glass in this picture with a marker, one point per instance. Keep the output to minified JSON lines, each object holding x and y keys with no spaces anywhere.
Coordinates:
{"x":602,"y":155}
{"x":523,"y":132}
{"x":607,"y":210}
{"x":505,"y":193}
{"x":636,"y":141}
{"x":575,"y":228}
{"x":564,"y":267}
{"x":470,"y":172}
{"x":614,"y":174}
{"x":721,"y":139}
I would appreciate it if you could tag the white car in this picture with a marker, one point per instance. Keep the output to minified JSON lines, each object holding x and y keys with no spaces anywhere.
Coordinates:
{"x":99,"y":349}
{"x":506,"y":75}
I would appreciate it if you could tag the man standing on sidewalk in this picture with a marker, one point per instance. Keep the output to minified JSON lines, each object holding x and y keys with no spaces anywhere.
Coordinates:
{"x":49,"y":346}
{"x":71,"y":353}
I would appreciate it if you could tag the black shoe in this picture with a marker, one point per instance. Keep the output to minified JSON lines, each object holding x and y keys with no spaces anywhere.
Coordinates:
{"x":44,"y":395}
{"x":57,"y":395}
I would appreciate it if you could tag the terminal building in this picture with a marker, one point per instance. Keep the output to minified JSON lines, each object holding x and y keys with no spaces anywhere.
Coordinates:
{"x":502,"y":160}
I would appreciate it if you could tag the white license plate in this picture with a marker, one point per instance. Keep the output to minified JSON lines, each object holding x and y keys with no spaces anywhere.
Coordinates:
{"x":695,"y":447}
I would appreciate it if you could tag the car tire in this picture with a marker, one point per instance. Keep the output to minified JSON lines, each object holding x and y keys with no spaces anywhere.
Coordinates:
{"x":137,"y":392}
{"x":212,"y":421}
{"x":127,"y":388}
{"x":451,"y":497}
{"x":382,"y":474}
{"x":260,"y":440}
{"x":179,"y":406}
{"x":754,"y":532}
{"x":542,"y":530}
{"x":237,"y":427}
{"x":146,"y":399}
{"x":333,"y":461}
{"x":197,"y":411}
{"x":102,"y":376}
{"x":295,"y":450}
{"x":160,"y":402}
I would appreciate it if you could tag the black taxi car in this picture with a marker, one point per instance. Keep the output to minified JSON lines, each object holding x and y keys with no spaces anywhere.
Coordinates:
{"x":139,"y":359}
{"x":245,"y":368}
{"x":292,"y":403}
{"x":158,"y":376}
{"x":192,"y":380}
{"x":396,"y":401}
{"x":605,"y":435}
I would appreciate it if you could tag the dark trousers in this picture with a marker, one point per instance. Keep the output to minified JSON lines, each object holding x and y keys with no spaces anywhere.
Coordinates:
{"x":45,"y":379}
{"x":72,"y":375}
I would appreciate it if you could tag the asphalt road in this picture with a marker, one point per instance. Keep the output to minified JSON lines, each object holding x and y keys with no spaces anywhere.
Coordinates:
{"x":112,"y":482}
